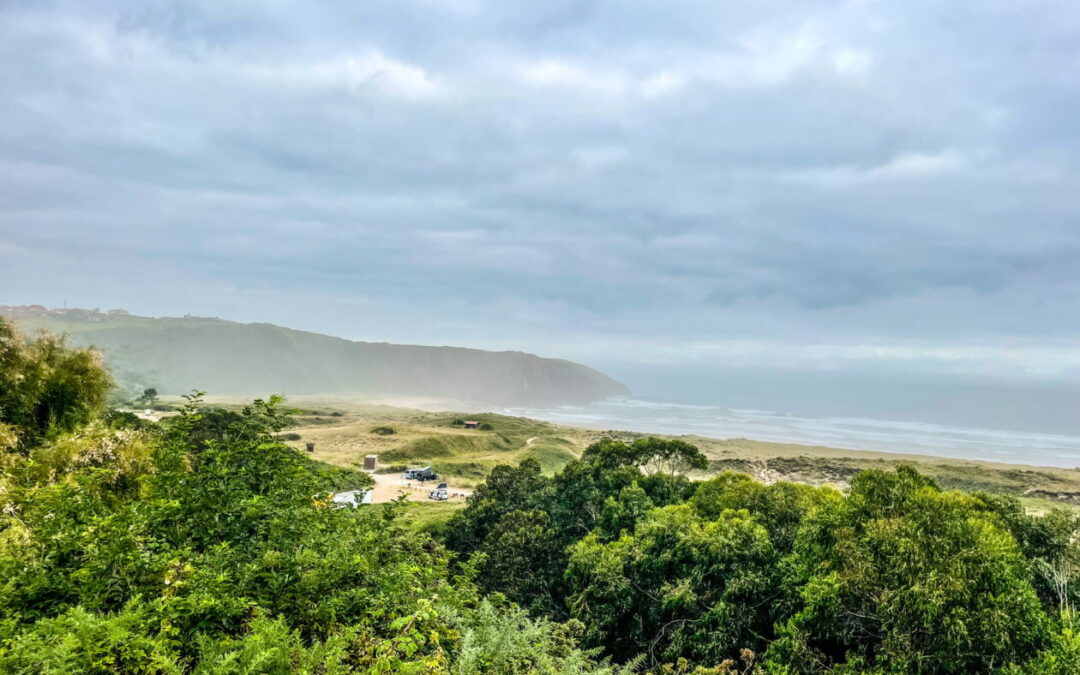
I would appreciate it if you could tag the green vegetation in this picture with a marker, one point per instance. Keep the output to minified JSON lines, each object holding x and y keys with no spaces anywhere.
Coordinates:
{"x":421,"y":439}
{"x":176,"y":355}
{"x":731,"y":575}
{"x":46,"y":389}
{"x":346,"y":439}
{"x":204,"y":544}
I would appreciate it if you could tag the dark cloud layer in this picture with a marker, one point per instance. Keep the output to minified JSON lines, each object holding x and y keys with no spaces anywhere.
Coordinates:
{"x":880,"y":182}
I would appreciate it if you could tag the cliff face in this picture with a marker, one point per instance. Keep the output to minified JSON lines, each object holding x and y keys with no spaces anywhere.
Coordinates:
{"x":222,"y":357}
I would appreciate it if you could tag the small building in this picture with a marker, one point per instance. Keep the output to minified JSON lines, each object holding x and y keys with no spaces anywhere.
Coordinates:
{"x":370,"y":462}
{"x":472,"y":424}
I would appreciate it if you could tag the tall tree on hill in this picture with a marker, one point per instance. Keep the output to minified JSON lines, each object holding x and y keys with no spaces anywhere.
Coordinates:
{"x":149,"y":395}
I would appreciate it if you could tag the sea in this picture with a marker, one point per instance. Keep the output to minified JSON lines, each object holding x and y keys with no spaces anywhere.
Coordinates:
{"x":854,"y":433}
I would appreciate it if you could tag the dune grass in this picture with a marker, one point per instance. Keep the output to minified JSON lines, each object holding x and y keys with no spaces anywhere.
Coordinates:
{"x":342,"y":433}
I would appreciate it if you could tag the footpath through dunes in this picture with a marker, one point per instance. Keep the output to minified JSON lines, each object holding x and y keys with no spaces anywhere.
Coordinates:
{"x":344,"y":432}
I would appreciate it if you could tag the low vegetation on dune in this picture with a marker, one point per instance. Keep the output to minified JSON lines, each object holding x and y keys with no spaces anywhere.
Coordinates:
{"x":419,"y":438}
{"x":468,"y":455}
{"x":205,"y":543}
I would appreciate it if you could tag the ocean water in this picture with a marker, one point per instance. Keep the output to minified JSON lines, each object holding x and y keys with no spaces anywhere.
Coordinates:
{"x":854,"y":433}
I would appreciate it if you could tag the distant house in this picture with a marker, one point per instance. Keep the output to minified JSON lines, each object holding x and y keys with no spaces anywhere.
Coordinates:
{"x":472,"y":424}
{"x":23,"y":311}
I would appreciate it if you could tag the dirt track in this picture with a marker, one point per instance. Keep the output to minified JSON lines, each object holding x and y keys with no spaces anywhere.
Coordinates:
{"x":389,"y":485}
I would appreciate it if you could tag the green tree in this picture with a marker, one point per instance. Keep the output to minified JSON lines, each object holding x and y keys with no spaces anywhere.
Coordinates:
{"x":780,"y":507}
{"x":652,"y":455}
{"x":507,"y":489}
{"x":1051,"y":544}
{"x":522,"y":558}
{"x":46,"y":387}
{"x":679,"y":586}
{"x":149,"y":396}
{"x":902,"y":577}
{"x":1062,"y":657}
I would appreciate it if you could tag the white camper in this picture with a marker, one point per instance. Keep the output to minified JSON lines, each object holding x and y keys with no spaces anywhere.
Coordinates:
{"x":352,"y":499}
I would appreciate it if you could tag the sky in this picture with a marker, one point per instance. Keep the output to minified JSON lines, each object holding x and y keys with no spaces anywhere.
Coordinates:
{"x":869,"y":188}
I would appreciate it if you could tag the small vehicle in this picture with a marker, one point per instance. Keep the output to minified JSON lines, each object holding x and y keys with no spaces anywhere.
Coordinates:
{"x":421,"y":475}
{"x":351,"y":499}
{"x":440,"y":494}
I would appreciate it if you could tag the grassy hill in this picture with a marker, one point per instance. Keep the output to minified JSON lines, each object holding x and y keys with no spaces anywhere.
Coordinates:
{"x":176,"y":355}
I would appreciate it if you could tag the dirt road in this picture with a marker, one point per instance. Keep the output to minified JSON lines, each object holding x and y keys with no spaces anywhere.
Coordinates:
{"x":388,"y":486}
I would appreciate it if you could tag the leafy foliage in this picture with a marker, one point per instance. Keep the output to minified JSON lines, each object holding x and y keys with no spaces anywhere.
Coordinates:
{"x":896,"y":576}
{"x":903,"y":577}
{"x":45,"y":387}
{"x":205,"y":545}
{"x":202,"y":544}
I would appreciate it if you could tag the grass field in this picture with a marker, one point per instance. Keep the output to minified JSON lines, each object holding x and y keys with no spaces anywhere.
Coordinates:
{"x":342,"y":433}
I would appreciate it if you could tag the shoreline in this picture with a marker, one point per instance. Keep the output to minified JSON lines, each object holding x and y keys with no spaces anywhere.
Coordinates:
{"x":393,"y":407}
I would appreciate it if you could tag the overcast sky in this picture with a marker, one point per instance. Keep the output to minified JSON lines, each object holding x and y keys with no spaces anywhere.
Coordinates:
{"x":872,"y":185}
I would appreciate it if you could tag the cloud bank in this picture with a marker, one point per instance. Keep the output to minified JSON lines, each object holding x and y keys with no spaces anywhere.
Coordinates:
{"x":833,"y":182}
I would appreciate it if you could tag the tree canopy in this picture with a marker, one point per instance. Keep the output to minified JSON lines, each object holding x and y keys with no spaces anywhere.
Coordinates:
{"x":202,"y":544}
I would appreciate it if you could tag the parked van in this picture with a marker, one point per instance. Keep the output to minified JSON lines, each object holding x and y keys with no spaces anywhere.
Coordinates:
{"x":421,"y":474}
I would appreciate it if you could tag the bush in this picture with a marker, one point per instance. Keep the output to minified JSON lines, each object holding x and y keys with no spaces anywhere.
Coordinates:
{"x":291,"y":436}
{"x":486,"y":427}
{"x":384,"y":431}
{"x":78,"y":641}
{"x":458,"y":423}
{"x":46,"y":387}
{"x":119,"y":419}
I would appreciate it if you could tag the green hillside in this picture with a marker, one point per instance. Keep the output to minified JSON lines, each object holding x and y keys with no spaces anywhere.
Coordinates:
{"x":176,"y":355}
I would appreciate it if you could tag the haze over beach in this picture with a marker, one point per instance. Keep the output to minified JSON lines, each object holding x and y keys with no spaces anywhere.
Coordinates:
{"x":826,"y":210}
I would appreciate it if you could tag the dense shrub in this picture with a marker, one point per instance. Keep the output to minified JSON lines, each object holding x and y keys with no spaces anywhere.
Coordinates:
{"x":203,"y":544}
{"x":896,"y":576}
{"x":47,"y":388}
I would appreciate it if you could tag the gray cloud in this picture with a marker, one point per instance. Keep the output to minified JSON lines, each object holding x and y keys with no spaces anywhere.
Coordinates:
{"x":552,"y":175}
